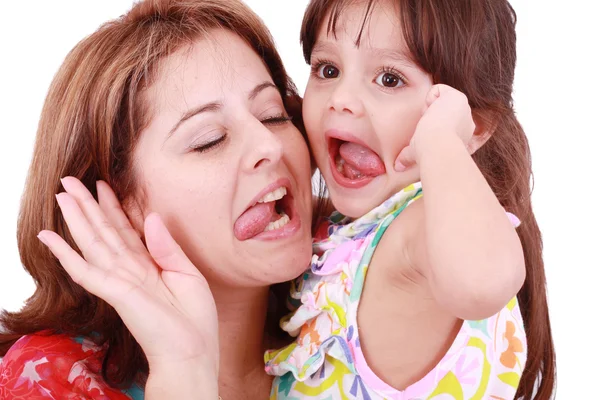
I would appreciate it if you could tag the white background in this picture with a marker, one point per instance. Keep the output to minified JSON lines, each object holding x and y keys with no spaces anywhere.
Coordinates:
{"x":556,"y":95}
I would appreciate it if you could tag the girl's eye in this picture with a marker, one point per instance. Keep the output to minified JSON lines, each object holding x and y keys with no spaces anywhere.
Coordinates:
{"x":389,"y":80}
{"x":202,"y":148}
{"x":327,"y":71}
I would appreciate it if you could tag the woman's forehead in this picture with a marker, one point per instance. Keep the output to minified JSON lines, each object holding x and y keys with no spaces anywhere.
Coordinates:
{"x":208,"y":70}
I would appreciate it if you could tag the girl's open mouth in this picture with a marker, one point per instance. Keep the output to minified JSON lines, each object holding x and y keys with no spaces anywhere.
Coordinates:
{"x":353,"y":165}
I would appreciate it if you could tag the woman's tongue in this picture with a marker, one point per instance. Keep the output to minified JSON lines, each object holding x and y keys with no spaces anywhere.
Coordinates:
{"x":356,"y":161}
{"x":254,"y":220}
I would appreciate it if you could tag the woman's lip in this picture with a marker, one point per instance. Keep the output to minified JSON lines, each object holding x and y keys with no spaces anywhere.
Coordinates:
{"x":281,"y":182}
{"x":288,"y":229}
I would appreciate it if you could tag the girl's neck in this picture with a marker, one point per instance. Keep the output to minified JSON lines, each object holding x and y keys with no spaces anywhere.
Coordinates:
{"x":241,"y":313}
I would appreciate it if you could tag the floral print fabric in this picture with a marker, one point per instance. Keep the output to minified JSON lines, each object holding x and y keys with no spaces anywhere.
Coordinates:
{"x":325,"y":361}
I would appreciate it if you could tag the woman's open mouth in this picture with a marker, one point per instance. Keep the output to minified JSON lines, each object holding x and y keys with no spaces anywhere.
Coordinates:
{"x":271,"y":216}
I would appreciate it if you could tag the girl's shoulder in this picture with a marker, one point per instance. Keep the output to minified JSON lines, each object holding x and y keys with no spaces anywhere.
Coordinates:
{"x":55,"y":366}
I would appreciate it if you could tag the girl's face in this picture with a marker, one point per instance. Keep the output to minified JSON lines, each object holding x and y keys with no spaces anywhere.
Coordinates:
{"x":362,"y":105}
{"x":224,"y":167}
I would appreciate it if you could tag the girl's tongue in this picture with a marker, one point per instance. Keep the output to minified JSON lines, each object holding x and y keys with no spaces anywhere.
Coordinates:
{"x":356,"y":161}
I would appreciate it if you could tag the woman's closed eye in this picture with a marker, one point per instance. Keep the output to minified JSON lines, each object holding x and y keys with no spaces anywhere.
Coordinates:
{"x":210,"y":144}
{"x":276,"y":120}
{"x":218,"y":140}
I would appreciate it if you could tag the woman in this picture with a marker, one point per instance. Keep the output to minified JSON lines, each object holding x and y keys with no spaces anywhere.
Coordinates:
{"x":183,"y":108}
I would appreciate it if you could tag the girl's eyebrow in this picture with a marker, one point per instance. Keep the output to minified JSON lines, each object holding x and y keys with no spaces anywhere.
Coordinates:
{"x":394,"y":55}
{"x":322,"y":46}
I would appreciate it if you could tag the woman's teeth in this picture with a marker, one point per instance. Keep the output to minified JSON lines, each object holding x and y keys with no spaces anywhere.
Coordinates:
{"x":281,"y":222}
{"x":275,"y":195}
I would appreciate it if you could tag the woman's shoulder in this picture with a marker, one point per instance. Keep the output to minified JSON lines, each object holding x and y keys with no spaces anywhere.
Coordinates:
{"x":54,"y":366}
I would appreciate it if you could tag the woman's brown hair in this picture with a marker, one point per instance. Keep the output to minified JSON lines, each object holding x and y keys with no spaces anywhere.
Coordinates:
{"x":90,"y":124}
{"x":471,"y":46}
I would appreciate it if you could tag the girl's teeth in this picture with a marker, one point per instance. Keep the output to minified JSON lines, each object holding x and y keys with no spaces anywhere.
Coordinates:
{"x":275,"y":195}
{"x":281,"y":222}
{"x":339,"y":164}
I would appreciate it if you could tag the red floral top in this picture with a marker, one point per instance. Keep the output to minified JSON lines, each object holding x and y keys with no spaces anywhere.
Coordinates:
{"x":57,"y":367}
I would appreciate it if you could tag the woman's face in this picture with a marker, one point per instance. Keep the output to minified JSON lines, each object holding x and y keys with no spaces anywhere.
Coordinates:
{"x":217,"y":157}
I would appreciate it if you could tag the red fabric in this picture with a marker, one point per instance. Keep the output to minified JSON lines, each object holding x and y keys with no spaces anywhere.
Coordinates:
{"x":54,"y":367}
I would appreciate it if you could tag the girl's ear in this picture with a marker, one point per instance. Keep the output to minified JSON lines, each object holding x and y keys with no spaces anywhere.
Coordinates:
{"x":484,"y":129}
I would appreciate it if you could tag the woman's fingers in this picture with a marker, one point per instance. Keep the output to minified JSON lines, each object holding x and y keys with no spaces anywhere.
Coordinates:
{"x":132,"y":299}
{"x":179,"y":299}
{"x":113,"y":211}
{"x":90,"y":277}
{"x":183,"y":280}
{"x":92,"y":212}
{"x":87,"y":239}
{"x":163,"y":248}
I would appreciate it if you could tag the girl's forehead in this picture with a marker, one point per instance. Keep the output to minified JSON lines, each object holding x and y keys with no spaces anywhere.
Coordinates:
{"x":362,"y":22}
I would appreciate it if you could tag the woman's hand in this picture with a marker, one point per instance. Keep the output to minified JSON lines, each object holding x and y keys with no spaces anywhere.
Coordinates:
{"x":446,"y":111}
{"x":160,"y":295}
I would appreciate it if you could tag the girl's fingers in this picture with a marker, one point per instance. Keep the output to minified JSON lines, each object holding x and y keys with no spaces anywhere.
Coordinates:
{"x":433,"y":94}
{"x":405,"y":159}
{"x":111,"y":207}
{"x":89,"y":241}
{"x":91,"y":210}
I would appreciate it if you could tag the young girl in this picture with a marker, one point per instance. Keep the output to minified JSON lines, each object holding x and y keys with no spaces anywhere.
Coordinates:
{"x":428,"y":309}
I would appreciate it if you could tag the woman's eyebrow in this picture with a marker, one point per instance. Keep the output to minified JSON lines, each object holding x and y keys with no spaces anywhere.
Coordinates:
{"x":215,"y":106}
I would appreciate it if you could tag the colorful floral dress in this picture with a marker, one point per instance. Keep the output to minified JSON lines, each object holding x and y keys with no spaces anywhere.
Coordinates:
{"x":57,"y":367}
{"x":485,"y":361}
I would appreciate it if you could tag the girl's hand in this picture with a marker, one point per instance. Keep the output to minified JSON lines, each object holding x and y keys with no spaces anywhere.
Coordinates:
{"x":446,"y":110}
{"x":160,"y":295}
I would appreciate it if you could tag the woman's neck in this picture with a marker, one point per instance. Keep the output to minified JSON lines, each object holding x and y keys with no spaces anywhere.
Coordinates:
{"x":241,"y":314}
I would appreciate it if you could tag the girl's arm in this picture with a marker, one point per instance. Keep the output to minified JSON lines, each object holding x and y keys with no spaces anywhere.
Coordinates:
{"x":474,"y":260}
{"x":470,"y":252}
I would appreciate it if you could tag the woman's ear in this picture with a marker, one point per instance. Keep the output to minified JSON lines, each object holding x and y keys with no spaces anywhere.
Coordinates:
{"x":484,"y":129}
{"x":134,"y":211}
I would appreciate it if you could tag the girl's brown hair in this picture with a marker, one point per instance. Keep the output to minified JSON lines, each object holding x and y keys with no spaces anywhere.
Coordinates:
{"x":471,"y":46}
{"x":90,"y":124}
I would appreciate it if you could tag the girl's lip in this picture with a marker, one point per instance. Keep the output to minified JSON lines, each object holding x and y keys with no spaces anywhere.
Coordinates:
{"x":341,"y":179}
{"x":334,"y":139}
{"x":344,"y":136}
